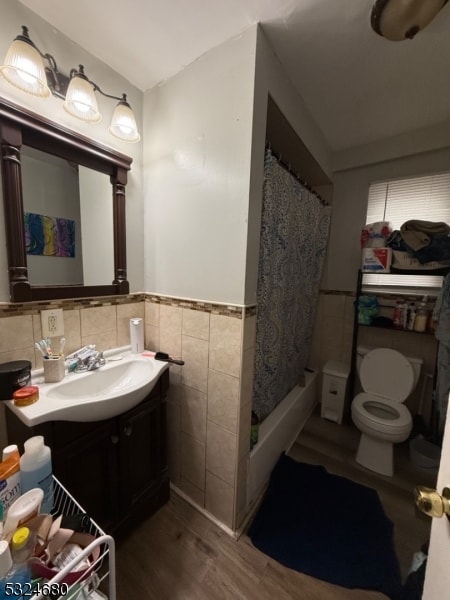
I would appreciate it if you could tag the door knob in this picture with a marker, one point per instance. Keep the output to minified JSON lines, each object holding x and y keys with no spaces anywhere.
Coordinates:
{"x":431,"y":502}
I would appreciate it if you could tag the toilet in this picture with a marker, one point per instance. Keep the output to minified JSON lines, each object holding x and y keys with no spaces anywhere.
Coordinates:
{"x":387,"y":379}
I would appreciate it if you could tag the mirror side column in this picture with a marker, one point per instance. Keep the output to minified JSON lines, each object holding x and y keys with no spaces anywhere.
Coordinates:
{"x":119,"y":181}
{"x":11,"y":143}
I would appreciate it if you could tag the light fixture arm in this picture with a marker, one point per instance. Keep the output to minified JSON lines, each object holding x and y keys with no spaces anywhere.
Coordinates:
{"x":80,"y":73}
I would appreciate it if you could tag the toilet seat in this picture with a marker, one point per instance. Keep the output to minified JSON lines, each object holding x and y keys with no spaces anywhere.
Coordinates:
{"x":381,"y":414}
{"x":387,"y":374}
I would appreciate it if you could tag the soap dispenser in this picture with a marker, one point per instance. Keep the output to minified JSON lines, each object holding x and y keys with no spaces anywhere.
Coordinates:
{"x":136,"y":335}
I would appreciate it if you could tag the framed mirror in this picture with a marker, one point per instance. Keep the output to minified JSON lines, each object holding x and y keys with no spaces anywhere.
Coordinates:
{"x":64,"y":204}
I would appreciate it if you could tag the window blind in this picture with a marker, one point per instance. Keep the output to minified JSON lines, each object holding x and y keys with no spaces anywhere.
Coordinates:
{"x":426,"y":198}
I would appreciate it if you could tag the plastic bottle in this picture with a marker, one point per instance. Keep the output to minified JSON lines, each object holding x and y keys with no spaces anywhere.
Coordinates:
{"x":36,"y":470}
{"x":398,"y":314}
{"x":25,"y":508}
{"x":11,"y":572}
{"x":420,"y":323}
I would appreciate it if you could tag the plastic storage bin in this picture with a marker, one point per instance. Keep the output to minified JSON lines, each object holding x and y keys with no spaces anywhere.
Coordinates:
{"x":334,"y":390}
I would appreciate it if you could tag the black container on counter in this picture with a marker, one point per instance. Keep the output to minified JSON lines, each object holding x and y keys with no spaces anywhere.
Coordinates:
{"x":13,"y":376}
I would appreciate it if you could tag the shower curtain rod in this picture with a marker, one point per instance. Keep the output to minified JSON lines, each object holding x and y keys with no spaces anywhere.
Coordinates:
{"x":288,"y":168}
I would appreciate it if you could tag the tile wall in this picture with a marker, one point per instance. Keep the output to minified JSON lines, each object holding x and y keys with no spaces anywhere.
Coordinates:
{"x":209,"y":404}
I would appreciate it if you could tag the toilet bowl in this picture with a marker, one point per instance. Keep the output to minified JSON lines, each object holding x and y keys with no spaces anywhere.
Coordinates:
{"x":387,"y":378}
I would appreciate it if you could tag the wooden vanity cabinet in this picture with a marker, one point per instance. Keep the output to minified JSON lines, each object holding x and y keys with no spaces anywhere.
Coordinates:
{"x":116,"y":469}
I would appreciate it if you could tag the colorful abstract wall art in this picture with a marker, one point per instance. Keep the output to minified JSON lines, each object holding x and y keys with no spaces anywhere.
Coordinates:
{"x":49,"y":236}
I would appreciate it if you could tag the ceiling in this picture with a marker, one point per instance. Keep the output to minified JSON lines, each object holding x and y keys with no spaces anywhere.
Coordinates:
{"x":359,"y":87}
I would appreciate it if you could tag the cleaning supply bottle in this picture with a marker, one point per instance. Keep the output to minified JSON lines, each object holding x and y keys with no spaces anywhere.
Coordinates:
{"x":14,"y":570}
{"x":36,"y":470}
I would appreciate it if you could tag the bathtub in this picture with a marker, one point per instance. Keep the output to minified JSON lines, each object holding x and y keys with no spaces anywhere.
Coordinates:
{"x":278,"y":432}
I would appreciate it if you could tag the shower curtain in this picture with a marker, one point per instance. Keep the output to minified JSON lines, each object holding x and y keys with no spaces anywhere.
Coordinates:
{"x":294,"y":234}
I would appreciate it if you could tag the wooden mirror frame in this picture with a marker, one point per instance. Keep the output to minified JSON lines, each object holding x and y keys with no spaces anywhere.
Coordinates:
{"x":18,"y":127}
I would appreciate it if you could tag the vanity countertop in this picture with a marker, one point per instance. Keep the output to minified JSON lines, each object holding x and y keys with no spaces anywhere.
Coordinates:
{"x":119,"y":385}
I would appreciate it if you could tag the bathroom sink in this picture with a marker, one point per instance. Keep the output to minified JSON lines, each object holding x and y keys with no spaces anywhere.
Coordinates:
{"x":119,"y":385}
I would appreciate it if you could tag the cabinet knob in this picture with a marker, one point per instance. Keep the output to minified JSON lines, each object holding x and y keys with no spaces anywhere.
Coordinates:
{"x":127,"y":430}
{"x":115,"y":439}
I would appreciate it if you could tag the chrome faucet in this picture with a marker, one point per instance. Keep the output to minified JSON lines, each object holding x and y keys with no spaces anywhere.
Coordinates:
{"x":95,"y":362}
{"x":91,"y":363}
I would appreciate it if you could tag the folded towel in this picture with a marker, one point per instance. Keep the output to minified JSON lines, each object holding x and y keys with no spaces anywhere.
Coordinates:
{"x":417,"y":233}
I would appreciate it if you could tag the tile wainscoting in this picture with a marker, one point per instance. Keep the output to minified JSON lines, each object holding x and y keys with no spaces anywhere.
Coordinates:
{"x":210,"y":397}
{"x":209,"y":404}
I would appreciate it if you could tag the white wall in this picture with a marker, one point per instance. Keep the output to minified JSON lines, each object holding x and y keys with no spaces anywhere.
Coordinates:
{"x":69,"y":55}
{"x":197,"y":166}
{"x":204,"y":158}
{"x":350,"y":190}
{"x":271,"y":79}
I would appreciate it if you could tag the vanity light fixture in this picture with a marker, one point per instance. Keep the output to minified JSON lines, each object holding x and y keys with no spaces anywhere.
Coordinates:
{"x":25,"y":69}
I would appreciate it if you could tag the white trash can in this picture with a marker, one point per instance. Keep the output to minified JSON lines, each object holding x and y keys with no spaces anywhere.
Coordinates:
{"x":334,"y":390}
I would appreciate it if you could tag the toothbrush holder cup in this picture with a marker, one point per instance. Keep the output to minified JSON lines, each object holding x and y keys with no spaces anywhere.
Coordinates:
{"x":54,"y":369}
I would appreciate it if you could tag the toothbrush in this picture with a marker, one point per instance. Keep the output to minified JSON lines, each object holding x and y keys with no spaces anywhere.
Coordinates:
{"x":62,"y":343}
{"x":38,"y":346}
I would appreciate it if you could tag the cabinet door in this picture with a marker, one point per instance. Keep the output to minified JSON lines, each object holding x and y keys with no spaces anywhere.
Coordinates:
{"x":140,"y":453}
{"x":88,"y":468}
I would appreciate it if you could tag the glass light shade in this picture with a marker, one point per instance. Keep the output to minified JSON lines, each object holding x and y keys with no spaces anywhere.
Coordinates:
{"x":398,"y":20}
{"x":80,"y":100}
{"x":123,"y":124}
{"x":24,"y":69}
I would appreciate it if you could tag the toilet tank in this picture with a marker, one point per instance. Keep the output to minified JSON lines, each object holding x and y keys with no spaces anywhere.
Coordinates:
{"x":416,"y":363}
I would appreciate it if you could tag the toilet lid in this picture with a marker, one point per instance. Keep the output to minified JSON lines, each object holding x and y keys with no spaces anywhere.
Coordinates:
{"x":387,"y":373}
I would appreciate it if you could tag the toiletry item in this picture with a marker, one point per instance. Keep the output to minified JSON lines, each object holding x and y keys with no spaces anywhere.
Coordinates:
{"x":26,"y":395}
{"x":6,"y":568}
{"x":36,"y":470}
{"x":5,"y":558}
{"x":9,"y":451}
{"x":420,"y":323}
{"x":404,"y":315}
{"x":163,"y":357}
{"x":137,"y":335}
{"x":398,"y":314}
{"x":10,"y":488}
{"x":14,"y":375}
{"x":82,"y":353}
{"x":411,"y":316}
{"x":22,"y":545}
{"x":54,"y":369}
{"x":15,"y":576}
{"x":25,"y":508}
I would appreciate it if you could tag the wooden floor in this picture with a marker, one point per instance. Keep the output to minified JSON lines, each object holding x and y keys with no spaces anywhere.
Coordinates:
{"x":178,"y":554}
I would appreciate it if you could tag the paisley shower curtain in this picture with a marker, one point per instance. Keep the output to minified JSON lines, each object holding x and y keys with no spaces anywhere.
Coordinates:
{"x":294,"y":234}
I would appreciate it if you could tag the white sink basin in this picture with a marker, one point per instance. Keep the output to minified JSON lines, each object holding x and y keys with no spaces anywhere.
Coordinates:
{"x":106,"y":392}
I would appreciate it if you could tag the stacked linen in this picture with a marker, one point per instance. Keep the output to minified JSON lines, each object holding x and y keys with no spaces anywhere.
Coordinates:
{"x":421,"y":245}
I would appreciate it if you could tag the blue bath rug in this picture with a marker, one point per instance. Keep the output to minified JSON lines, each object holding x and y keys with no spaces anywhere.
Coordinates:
{"x":328,"y":527}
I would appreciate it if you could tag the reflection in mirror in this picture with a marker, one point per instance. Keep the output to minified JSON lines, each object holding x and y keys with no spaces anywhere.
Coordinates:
{"x":68,"y":221}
